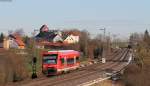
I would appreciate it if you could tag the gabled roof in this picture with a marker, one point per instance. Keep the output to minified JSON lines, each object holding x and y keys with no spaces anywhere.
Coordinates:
{"x":52,"y":36}
{"x":49,"y":36}
{"x":44,"y":28}
{"x":64,"y":36}
{"x":18,"y":39}
{"x":75,"y":33}
{"x":67,"y":35}
{"x":43,"y":35}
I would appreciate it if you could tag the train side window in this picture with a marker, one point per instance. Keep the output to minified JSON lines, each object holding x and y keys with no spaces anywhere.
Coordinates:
{"x":62,"y":60}
{"x":70,"y":61}
{"x":77,"y":59}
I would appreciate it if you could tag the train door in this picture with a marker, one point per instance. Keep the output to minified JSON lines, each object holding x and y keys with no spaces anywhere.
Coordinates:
{"x":70,"y":62}
{"x":63,"y":63}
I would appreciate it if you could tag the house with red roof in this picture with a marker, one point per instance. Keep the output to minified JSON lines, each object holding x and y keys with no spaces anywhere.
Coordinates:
{"x":71,"y":37}
{"x":15,"y":41}
{"x":49,"y":37}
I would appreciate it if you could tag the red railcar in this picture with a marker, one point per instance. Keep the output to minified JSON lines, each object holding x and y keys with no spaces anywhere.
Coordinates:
{"x":56,"y":62}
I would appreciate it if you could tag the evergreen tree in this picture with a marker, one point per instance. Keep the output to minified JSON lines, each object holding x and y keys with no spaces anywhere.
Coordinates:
{"x":146,"y":37}
{"x":26,"y":40}
{"x":1,"y":37}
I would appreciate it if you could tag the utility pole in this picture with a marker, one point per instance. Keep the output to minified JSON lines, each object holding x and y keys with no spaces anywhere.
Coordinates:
{"x":104,"y":33}
{"x":109,"y":44}
{"x":34,"y":42}
{"x":104,"y":39}
{"x":34,"y":59}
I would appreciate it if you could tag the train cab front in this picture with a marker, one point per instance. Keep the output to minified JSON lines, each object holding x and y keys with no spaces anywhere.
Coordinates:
{"x":49,"y":64}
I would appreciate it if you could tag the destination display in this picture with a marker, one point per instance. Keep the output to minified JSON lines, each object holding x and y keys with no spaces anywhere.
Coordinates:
{"x":52,"y":56}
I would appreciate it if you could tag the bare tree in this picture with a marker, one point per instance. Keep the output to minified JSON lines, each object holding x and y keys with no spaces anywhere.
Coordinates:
{"x":84,"y":40}
{"x":10,"y":32}
{"x":19,"y":32}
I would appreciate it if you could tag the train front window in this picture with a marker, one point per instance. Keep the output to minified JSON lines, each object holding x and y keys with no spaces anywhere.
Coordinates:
{"x":50,"y":59}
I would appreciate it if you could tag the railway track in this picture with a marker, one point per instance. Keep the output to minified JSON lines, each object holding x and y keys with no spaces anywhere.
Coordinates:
{"x":76,"y":72}
{"x":79,"y":76}
{"x":86,"y":76}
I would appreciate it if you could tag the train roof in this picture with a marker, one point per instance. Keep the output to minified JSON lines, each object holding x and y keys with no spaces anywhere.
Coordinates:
{"x":64,"y":51}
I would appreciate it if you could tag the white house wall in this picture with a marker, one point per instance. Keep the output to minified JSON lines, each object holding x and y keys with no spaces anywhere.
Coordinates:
{"x":72,"y":39}
{"x":57,"y":38}
{"x":13,"y":44}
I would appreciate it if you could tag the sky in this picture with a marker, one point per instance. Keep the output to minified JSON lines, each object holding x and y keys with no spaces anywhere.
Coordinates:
{"x":120,"y":17}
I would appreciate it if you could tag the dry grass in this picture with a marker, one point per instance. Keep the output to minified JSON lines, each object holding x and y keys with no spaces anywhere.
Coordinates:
{"x":135,"y":76}
{"x":108,"y":83}
{"x":139,"y":75}
{"x":12,"y":67}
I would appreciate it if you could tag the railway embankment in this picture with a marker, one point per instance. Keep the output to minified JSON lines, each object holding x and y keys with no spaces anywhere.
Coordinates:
{"x":138,"y":73}
{"x":12,"y":67}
